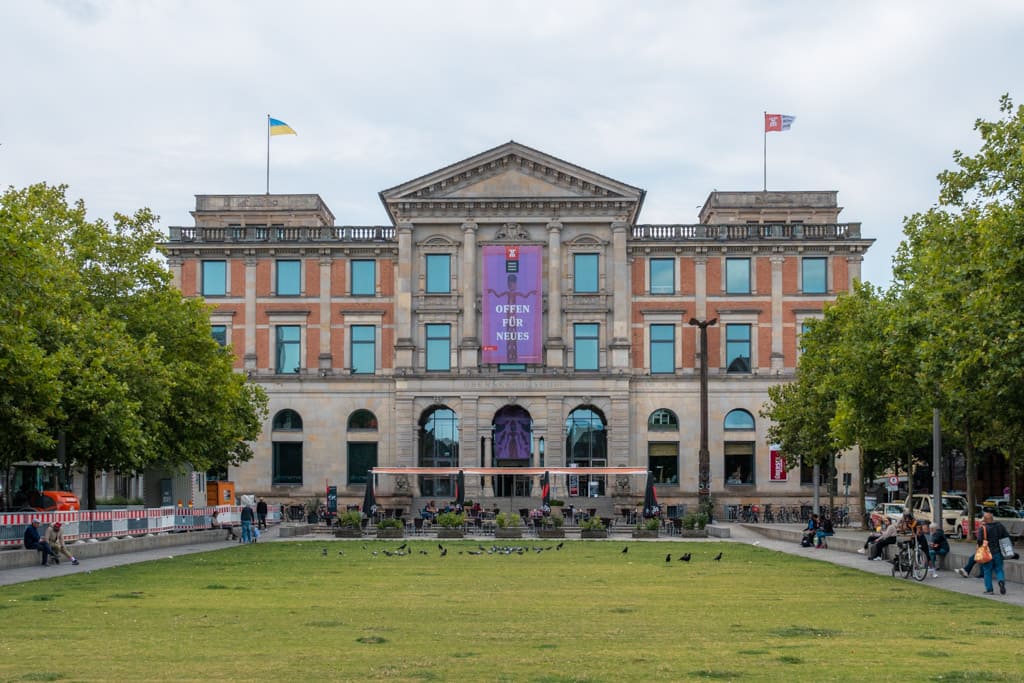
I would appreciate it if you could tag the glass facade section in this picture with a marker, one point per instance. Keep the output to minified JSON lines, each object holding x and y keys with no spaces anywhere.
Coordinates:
{"x":289,"y":355}
{"x":663,"y":349}
{"x":737,"y":348}
{"x":737,"y":276}
{"x":215,"y":278}
{"x":663,"y":276}
{"x":585,"y":338}
{"x":364,"y":277}
{"x":813,"y":275}
{"x":364,"y":349}
{"x":439,"y":346}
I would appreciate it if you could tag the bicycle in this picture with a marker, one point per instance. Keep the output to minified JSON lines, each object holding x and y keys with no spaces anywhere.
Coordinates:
{"x":910,"y":560}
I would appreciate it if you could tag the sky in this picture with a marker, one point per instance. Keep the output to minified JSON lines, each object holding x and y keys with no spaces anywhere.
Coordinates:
{"x":147,"y":103}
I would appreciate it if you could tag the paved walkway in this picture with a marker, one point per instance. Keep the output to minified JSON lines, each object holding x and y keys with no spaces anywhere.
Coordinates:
{"x":947,"y":580}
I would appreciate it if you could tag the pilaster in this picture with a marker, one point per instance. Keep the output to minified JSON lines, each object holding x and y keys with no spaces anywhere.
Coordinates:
{"x":324,"y":360}
{"x":250,"y":359}
{"x":554,"y":345}
{"x":470,"y":347}
{"x":777,"y":358}
{"x":620,"y":342}
{"x":404,"y":344}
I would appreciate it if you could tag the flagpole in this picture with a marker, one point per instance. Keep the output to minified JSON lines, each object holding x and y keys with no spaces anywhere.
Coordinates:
{"x":268,"y":153}
{"x":765,"y":148}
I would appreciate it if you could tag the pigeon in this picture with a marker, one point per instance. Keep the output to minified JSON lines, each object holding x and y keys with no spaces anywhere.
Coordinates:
{"x":402,"y":547}
{"x":718,"y":557}
{"x":444,"y":551}
{"x":324,"y":552}
{"x":685,"y":557}
{"x":559,"y":546}
{"x":625,"y":550}
{"x":341,"y":552}
{"x":440,"y":547}
{"x":423,"y":552}
{"x":668,"y":558}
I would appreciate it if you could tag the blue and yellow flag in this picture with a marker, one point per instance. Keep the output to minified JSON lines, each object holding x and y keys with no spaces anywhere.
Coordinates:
{"x":278,"y":127}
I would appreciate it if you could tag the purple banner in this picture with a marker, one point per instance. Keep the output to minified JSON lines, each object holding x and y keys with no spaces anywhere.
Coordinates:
{"x":512,"y":311}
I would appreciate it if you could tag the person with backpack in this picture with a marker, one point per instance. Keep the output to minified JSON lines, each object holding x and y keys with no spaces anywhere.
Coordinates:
{"x":824,"y":531}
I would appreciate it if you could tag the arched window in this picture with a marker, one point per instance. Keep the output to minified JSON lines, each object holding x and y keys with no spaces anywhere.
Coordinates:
{"x":362,"y":419}
{"x":663,"y":420}
{"x":739,"y":419}
{"x":438,"y":447}
{"x":287,"y":420}
{"x":586,"y":445}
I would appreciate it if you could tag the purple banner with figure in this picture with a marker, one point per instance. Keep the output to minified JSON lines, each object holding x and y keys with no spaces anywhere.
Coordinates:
{"x":512,"y":312}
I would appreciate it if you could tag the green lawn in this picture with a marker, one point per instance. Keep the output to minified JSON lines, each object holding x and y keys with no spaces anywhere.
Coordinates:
{"x":286,"y":612}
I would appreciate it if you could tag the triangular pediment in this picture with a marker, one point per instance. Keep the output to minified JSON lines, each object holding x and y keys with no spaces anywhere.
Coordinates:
{"x":511,"y":172}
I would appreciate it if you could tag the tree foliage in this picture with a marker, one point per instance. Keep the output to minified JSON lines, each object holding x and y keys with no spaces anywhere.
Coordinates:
{"x":95,"y":342}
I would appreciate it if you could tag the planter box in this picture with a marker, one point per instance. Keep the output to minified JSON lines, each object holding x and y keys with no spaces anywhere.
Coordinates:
{"x":508,"y":533}
{"x":348,"y":533}
{"x":551,"y":533}
{"x":390,"y":533}
{"x":693,"y":533}
{"x":443,"y":532}
{"x":644,"y":533}
{"x":593,"y":533}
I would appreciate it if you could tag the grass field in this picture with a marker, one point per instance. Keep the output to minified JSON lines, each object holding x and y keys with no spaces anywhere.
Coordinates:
{"x":587,"y":612}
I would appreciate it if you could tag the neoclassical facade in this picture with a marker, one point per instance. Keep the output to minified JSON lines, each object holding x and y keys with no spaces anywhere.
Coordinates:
{"x":516,"y":313}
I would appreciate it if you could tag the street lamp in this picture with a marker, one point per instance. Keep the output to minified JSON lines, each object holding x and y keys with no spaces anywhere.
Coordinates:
{"x":703,"y":456}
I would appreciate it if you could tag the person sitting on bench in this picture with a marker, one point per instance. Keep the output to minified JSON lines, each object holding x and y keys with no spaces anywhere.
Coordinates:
{"x":34,"y":542}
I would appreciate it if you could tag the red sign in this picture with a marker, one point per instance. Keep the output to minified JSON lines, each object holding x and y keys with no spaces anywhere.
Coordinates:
{"x":778,"y":464}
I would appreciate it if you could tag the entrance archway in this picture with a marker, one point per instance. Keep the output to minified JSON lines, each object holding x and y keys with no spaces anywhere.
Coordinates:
{"x":512,"y":428}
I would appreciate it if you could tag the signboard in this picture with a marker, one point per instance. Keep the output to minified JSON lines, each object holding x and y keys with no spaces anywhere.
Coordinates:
{"x":332,"y":499}
{"x":778,"y":464}
{"x":512,"y":311}
{"x":894,"y":482}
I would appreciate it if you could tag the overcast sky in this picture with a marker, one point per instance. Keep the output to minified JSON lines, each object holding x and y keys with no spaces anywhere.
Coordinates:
{"x":138,"y":103}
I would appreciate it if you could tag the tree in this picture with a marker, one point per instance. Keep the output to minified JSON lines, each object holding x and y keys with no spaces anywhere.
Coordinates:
{"x":95,"y":342}
{"x":959,"y":271}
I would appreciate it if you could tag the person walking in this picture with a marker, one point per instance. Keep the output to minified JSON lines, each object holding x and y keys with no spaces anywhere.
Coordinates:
{"x":55,"y":537}
{"x":247,"y":519}
{"x":261,"y":514}
{"x":34,"y":542}
{"x":991,"y":532}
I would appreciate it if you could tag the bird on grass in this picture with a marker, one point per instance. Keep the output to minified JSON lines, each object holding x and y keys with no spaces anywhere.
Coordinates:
{"x":718,"y":557}
{"x":444,"y":551}
{"x":324,"y":552}
{"x":668,"y":558}
{"x":559,"y":546}
{"x":402,"y":547}
{"x":684,"y":557}
{"x":625,"y":550}
{"x":440,"y":547}
{"x":341,"y":552}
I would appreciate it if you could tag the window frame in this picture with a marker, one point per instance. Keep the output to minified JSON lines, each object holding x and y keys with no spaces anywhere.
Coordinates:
{"x":734,"y":428}
{"x":731,"y":460}
{"x":294,"y":449}
{"x":280,"y":343}
{"x":579,"y":285}
{"x":433,"y":282}
{"x":581,"y":343}
{"x":654,"y":288}
{"x":731,"y":341}
{"x":358,"y":285}
{"x":823,"y":275}
{"x":432,"y":346}
{"x":362,"y":345}
{"x":664,"y":346}
{"x":284,"y":266}
{"x":207,"y":278}
{"x":733,"y":269}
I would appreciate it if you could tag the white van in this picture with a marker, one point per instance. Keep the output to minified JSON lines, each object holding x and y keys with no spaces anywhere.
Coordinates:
{"x":953,"y":507}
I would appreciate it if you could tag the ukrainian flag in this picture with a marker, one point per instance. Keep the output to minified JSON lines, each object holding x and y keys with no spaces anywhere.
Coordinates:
{"x":278,"y":127}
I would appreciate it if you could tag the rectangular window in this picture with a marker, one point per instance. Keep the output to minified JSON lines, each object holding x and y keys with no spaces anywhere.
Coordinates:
{"x":289,"y":278}
{"x":439,"y":273}
{"x":584,"y":273}
{"x":363,"y":349}
{"x":814,"y":275}
{"x":807,"y":474}
{"x":737,"y":348}
{"x":663,"y":462}
{"x":220,"y":334}
{"x":287,"y":463}
{"x":439,"y":357}
{"x":585,"y":346}
{"x":739,"y":463}
{"x":663,"y":349}
{"x":663,"y":276}
{"x":737,"y":276}
{"x":289,"y":338}
{"x":362,"y":457}
{"x":215,"y":278}
{"x":364,"y":277}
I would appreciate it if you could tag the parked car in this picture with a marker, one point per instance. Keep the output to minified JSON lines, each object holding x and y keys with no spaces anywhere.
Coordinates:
{"x":953,"y":508}
{"x":1001,"y":513}
{"x":893,"y":512}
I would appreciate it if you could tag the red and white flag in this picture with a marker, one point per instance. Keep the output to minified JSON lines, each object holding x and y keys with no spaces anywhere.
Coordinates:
{"x":776,"y":123}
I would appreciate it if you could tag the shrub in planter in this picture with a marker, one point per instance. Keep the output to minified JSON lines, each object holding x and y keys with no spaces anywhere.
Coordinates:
{"x":552,"y":522}
{"x":451,"y":520}
{"x":350,"y":525}
{"x":592,"y":524}
{"x":390,"y":527}
{"x":507,"y":520}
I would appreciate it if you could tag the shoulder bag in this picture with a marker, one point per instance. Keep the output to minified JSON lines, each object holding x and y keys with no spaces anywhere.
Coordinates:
{"x":983,"y":555}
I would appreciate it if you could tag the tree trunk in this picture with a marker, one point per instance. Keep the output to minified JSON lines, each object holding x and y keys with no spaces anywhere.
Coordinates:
{"x":863,"y":490}
{"x":90,"y":487}
{"x":910,"y":476}
{"x":971,"y":498}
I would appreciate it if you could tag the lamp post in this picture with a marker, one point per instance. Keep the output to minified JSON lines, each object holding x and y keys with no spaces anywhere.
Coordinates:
{"x":703,"y":456}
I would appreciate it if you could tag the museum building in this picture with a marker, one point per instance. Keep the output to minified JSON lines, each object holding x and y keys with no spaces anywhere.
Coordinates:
{"x":516,"y":314}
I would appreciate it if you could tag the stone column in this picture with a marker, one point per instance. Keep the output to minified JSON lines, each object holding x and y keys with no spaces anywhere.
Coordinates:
{"x":404,"y":344}
{"x":174,"y":263}
{"x":622,"y":292}
{"x":700,"y":275}
{"x":250,"y":313}
{"x":324,"y":359}
{"x":777,"y":358}
{"x":470,"y":337}
{"x":554,"y":344}
{"x":853,"y":264}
